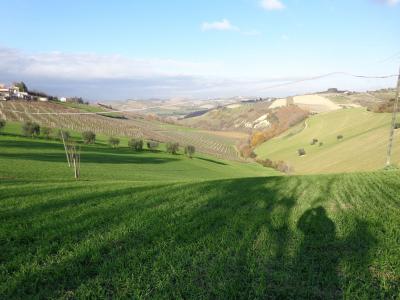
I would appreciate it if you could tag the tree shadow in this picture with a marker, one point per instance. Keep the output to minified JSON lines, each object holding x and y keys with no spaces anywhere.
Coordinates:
{"x":91,"y":157}
{"x":89,"y":154}
{"x":212,"y":161}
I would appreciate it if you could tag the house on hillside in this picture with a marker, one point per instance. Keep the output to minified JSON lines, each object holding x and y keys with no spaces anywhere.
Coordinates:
{"x":4,"y":92}
{"x":16,"y":94}
{"x":63,"y":99}
{"x":43,"y":99}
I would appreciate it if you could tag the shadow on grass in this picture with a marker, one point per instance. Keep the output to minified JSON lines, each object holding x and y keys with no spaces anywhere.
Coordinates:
{"x":212,"y":161}
{"x":88,"y":155}
{"x":239,"y":238}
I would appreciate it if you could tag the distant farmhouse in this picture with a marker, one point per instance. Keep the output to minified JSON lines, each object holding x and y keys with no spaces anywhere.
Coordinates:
{"x":14,"y":92}
{"x":19,"y":91}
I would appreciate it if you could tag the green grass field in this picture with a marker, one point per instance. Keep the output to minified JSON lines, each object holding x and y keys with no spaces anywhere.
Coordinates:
{"x":363,"y":147}
{"x":152,"y":225}
{"x":41,"y":159}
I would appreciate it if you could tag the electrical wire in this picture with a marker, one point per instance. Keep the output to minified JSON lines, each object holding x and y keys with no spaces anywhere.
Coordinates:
{"x":161,"y":106}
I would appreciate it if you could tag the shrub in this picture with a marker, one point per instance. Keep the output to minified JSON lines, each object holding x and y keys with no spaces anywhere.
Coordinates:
{"x":89,"y":137}
{"x":152,"y":145}
{"x":136,"y":144}
{"x":396,"y":126}
{"x":247,"y":152}
{"x":339,"y":137}
{"x":266,"y":163}
{"x":301,"y":152}
{"x":60,"y":133}
{"x":46,"y":131}
{"x":30,"y":129}
{"x":172,"y":147}
{"x":190,"y":150}
{"x":2,"y":124}
{"x":321,"y":144}
{"x":314,"y":141}
{"x":113,"y":142}
{"x":280,"y":165}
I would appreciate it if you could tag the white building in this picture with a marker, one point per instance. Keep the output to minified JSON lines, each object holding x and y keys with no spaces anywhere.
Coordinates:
{"x":63,"y":99}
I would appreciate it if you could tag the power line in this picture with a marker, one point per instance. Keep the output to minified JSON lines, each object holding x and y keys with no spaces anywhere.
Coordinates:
{"x":161,"y":106}
{"x":389,"y":58}
{"x":328,"y":75}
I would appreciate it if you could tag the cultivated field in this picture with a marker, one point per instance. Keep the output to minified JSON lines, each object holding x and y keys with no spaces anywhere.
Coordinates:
{"x":363,"y":147}
{"x":312,"y":103}
{"x":152,"y":225}
{"x":135,"y":126}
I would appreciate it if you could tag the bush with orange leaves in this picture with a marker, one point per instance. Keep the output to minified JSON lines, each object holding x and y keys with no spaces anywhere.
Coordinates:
{"x":281,"y":120}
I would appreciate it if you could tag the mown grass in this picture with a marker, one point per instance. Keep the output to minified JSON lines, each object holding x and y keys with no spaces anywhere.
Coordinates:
{"x":41,"y":159}
{"x":136,"y":228}
{"x":281,"y":237}
{"x":363,"y":147}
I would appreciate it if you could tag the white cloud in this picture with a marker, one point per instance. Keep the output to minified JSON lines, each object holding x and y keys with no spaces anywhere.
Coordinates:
{"x":393,"y":2}
{"x":389,"y":2}
{"x":274,"y":4}
{"x":219,"y":25}
{"x":92,"y":66}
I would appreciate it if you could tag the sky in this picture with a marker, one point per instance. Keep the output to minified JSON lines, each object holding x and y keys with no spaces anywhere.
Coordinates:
{"x":115,"y":50}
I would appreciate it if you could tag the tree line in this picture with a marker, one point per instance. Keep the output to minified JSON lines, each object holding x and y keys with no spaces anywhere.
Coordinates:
{"x":33,"y":129}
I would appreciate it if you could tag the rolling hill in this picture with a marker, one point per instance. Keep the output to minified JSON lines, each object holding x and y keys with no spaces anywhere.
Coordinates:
{"x":363,"y":147}
{"x":153,"y":225}
{"x":56,"y":115}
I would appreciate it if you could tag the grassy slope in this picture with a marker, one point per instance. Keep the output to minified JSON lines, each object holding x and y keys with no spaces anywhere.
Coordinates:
{"x":126,"y":231}
{"x":45,"y":159}
{"x":362,"y":149}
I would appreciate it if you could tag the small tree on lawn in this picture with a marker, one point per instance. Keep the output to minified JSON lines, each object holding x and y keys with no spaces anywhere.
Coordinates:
{"x":46,"y":131}
{"x":172,"y":147}
{"x":152,"y":145}
{"x":2,"y":124}
{"x":397,"y":125}
{"x":301,"y":152}
{"x":113,"y":142}
{"x":31,"y":129}
{"x":89,"y":137}
{"x":339,"y":137}
{"x":136,"y":144}
{"x":62,"y":134}
{"x":190,"y":150}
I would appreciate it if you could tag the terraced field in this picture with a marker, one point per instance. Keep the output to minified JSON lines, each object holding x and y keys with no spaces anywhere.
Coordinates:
{"x":153,"y":225}
{"x":222,"y":147}
{"x":363,"y":147}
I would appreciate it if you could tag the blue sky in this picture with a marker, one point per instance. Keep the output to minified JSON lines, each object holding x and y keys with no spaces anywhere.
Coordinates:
{"x":208,"y":48}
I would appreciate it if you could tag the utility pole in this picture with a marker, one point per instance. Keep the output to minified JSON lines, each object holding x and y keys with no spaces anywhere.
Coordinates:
{"x":392,"y":128}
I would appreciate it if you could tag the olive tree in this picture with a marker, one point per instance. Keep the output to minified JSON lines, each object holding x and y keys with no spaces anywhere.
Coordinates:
{"x":89,"y":137}
{"x":172,"y":147}
{"x":136,"y":144}
{"x":2,"y":124}
{"x":152,"y":145}
{"x":46,"y":131}
{"x":190,"y":150}
{"x":31,"y":129}
{"x":113,"y":142}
